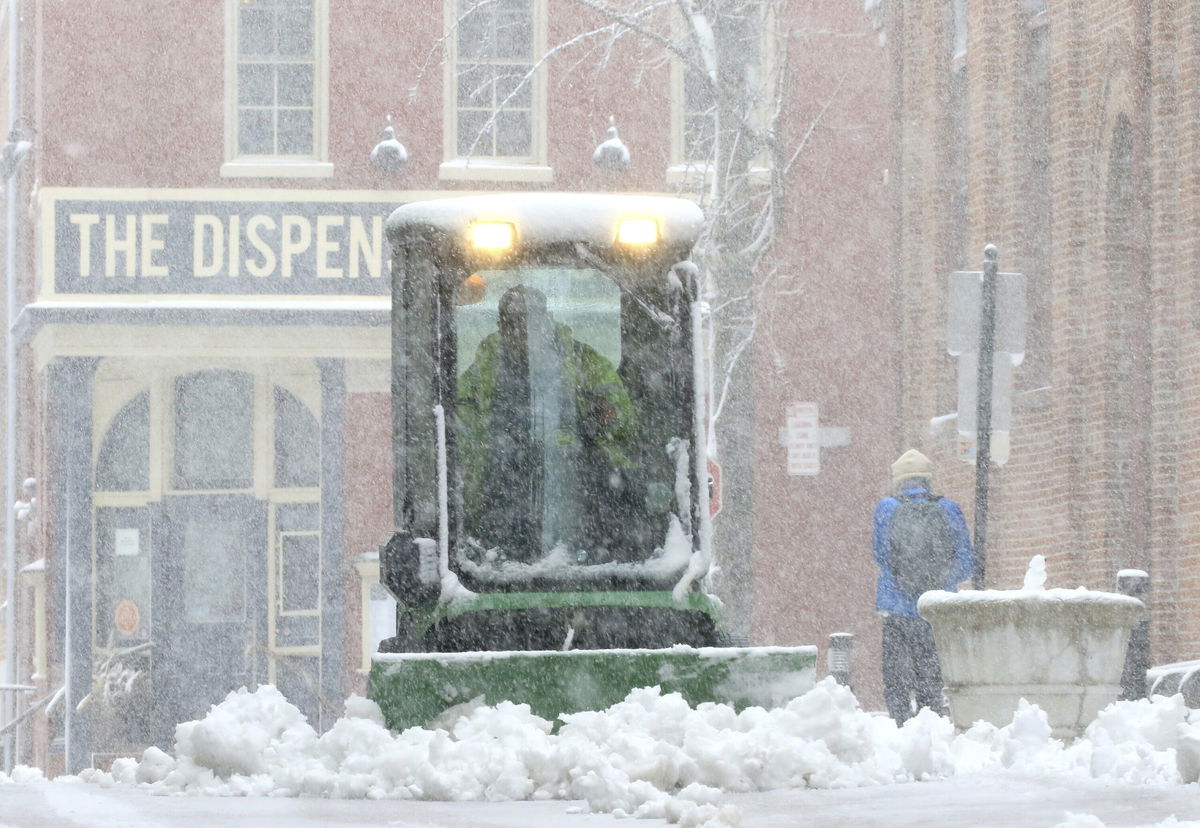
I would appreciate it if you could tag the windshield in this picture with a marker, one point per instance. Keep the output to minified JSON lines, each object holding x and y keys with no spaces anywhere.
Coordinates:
{"x":566,"y":424}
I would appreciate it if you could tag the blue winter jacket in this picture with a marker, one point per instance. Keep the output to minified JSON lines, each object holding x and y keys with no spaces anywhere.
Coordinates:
{"x":888,"y":596}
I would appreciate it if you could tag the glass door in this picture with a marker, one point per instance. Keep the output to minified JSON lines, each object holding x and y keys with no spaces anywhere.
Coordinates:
{"x":211,"y":619}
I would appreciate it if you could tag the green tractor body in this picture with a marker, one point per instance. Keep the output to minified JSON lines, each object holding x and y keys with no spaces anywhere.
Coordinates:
{"x":550,"y":452}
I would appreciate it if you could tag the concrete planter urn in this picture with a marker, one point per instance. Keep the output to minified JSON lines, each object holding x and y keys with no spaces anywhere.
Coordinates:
{"x":1060,"y":649}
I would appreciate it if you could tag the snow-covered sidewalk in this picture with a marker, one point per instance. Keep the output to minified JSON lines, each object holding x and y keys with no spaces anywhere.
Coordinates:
{"x":651,"y":757}
{"x":1003,"y":799}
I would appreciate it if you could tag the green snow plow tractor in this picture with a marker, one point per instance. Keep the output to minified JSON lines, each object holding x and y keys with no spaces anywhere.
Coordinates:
{"x":550,"y":466}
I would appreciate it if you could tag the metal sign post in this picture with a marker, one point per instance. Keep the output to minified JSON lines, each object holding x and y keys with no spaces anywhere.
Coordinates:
{"x":983,"y":412}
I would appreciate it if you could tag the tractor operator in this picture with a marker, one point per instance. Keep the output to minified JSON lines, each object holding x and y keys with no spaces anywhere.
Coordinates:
{"x":544,"y":422}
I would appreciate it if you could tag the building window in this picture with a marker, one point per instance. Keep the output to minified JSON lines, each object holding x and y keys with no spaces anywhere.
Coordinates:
{"x":699,"y":116}
{"x":957,"y":150}
{"x":214,"y":431}
{"x":213,"y":551}
{"x":123,"y":464}
{"x":694,"y":115}
{"x":123,"y":539}
{"x":495,"y":92}
{"x":275,"y":78}
{"x":277,"y":68}
{"x":297,"y":443}
{"x":494,"y":78}
{"x":295,"y":617}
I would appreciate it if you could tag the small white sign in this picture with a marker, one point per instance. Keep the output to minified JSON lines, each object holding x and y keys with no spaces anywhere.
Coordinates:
{"x":963,"y":312}
{"x":126,"y":542}
{"x":803,"y":439}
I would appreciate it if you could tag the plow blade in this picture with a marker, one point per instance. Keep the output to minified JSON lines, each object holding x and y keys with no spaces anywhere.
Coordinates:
{"x":412,"y":689}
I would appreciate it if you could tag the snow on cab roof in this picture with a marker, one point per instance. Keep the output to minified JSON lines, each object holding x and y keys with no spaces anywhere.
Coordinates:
{"x":545,"y":218}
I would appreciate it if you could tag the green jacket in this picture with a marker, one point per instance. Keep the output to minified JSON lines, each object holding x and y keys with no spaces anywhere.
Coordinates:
{"x":603,"y":411}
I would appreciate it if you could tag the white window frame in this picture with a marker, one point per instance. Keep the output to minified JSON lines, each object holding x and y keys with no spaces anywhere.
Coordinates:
{"x":316,"y":165}
{"x":694,"y":174}
{"x":533,"y":169}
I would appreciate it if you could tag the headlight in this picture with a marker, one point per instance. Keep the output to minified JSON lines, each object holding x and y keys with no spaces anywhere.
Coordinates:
{"x":637,"y":231}
{"x":492,"y":235}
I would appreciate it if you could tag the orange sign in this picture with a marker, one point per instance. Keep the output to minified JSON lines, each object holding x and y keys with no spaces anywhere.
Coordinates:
{"x":126,"y":617}
{"x":714,"y":487}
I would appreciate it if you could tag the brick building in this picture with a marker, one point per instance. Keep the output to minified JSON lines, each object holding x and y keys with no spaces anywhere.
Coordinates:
{"x":200,"y":304}
{"x":1065,"y":133}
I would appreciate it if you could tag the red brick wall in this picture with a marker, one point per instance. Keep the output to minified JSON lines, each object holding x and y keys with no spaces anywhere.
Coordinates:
{"x":824,"y":335}
{"x":1104,"y":454}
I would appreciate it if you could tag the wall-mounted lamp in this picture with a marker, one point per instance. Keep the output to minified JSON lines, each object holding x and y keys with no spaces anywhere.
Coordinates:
{"x":389,"y":155}
{"x":612,"y":155}
{"x":15,"y":150}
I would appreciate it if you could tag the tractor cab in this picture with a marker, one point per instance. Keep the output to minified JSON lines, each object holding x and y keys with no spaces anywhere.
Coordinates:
{"x":544,"y":390}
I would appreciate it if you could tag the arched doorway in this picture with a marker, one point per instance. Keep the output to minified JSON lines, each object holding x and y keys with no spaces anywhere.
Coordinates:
{"x":207,"y":552}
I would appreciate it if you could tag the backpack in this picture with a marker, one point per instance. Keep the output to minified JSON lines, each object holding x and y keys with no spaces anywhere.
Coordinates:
{"x":921,"y":545}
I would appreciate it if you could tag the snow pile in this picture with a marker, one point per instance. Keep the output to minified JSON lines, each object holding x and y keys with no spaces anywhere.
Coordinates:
{"x":1035,"y":574}
{"x":21,"y":775}
{"x":650,"y":756}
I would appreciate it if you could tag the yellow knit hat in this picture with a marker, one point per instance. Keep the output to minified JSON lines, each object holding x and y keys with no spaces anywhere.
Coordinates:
{"x":911,"y":464}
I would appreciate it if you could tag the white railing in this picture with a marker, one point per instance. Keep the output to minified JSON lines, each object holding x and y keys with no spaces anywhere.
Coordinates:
{"x":10,"y":720}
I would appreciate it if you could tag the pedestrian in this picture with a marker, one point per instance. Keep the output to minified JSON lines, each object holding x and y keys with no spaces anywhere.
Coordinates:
{"x":920,"y":542}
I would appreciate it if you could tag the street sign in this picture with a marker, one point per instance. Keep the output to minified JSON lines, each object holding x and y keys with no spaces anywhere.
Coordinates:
{"x":803,"y":439}
{"x":968,"y":386}
{"x":714,"y":487}
{"x":962,"y":313}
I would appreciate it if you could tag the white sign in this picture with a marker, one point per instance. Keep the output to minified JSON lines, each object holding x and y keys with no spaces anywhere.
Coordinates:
{"x":125,"y":542}
{"x":803,"y":439}
{"x":968,"y":385}
{"x":962,"y":314}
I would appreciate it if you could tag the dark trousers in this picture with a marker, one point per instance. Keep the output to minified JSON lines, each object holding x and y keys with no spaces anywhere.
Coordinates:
{"x":910,"y":667}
